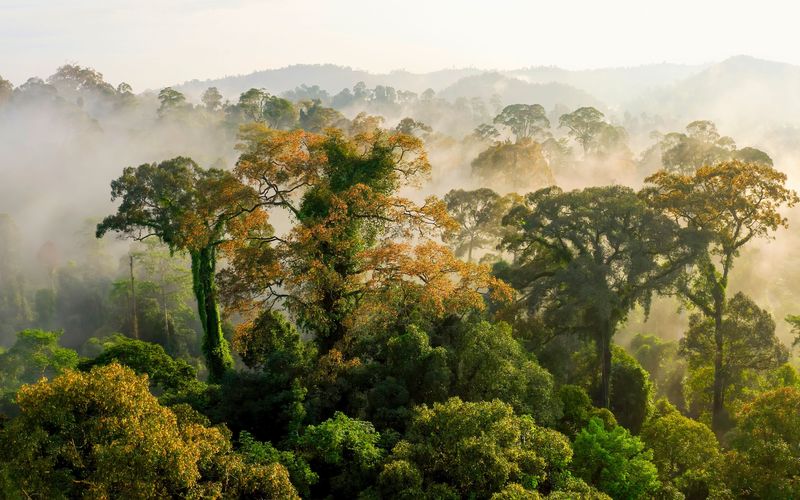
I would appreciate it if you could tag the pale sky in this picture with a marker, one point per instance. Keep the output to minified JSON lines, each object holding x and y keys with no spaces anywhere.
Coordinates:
{"x":151,"y":44}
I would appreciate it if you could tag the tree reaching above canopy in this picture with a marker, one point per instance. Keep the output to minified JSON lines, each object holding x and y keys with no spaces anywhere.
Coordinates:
{"x":189,"y":209}
{"x":341,"y":194}
{"x":6,"y":89}
{"x":585,"y":258}
{"x":701,"y":144}
{"x":749,"y":343}
{"x":171,"y":100}
{"x":479,"y":214}
{"x":526,"y":121}
{"x":521,"y":165}
{"x":258,"y":105}
{"x":730,"y":204}
{"x":212,"y":99}
{"x":583,"y":125}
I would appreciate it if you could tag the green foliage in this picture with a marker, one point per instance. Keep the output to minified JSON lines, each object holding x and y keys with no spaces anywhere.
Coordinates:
{"x":102,"y":434}
{"x":489,"y":363}
{"x":164,"y":372}
{"x":750,"y":347}
{"x":412,"y":373}
{"x":614,"y":461}
{"x":701,"y":145}
{"x":730,"y":204}
{"x":662,"y":361}
{"x":586,"y":258}
{"x":264,"y":453}
{"x":314,"y":117}
{"x":515,"y":491}
{"x":631,"y":391}
{"x":476,"y":449}
{"x":345,"y":454}
{"x":525,"y":121}
{"x":766,"y":447}
{"x":258,"y":105}
{"x":212,"y":99}
{"x":34,"y":354}
{"x":189,"y":209}
{"x":479,"y":214}
{"x":685,"y":452}
{"x":246,"y":400}
{"x":171,"y":101}
{"x":519,"y":164}
{"x":15,"y":312}
{"x":578,"y":411}
{"x":583,"y":125}
{"x":456,"y":386}
{"x":272,"y":344}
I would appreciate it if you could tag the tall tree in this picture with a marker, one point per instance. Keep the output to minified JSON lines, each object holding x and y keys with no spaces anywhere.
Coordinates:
{"x":749,"y":342}
{"x":583,"y":125}
{"x":519,"y":164}
{"x":347,"y":242}
{"x":15,"y":312}
{"x":479,"y":214}
{"x":212,"y":99}
{"x":6,"y":89}
{"x":314,"y":117}
{"x":586,"y":258}
{"x":189,"y":209}
{"x":171,"y":100}
{"x":731,"y":204}
{"x":260,"y":106}
{"x":526,"y":121}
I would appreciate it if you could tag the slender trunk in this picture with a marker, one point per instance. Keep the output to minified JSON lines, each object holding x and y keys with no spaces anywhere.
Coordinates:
{"x":215,"y":347}
{"x":718,"y":417}
{"x":717,"y":407}
{"x":134,"y":314}
{"x":605,"y":369}
{"x":166,"y":316}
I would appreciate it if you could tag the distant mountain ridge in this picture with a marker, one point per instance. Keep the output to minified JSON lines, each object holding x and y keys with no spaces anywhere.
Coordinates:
{"x":739,"y":91}
{"x":515,"y":90}
{"x":329,"y":77}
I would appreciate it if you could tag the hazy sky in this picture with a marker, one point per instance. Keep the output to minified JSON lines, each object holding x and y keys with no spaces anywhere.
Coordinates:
{"x":151,"y":44}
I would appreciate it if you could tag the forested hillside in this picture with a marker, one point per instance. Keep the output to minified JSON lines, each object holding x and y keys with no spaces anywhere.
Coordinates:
{"x":318,"y":282}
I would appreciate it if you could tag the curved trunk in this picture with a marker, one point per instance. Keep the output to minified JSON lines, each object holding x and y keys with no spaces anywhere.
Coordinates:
{"x":215,"y":347}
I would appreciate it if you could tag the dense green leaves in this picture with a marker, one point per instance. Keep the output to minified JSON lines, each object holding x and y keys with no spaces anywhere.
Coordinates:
{"x":102,"y":434}
{"x":616,"y":462}
{"x":586,"y":258}
{"x":475,"y":448}
{"x":685,"y":452}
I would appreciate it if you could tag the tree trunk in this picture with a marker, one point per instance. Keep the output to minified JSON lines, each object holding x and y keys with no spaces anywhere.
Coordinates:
{"x":605,"y":366}
{"x":718,"y":414}
{"x":215,"y":347}
{"x":134,"y":313}
{"x":718,"y":403}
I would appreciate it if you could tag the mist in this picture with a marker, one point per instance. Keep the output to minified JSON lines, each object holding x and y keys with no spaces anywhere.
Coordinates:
{"x":61,"y":143}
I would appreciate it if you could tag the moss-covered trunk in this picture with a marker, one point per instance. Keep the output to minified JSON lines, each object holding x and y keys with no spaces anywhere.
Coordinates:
{"x":215,"y":347}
